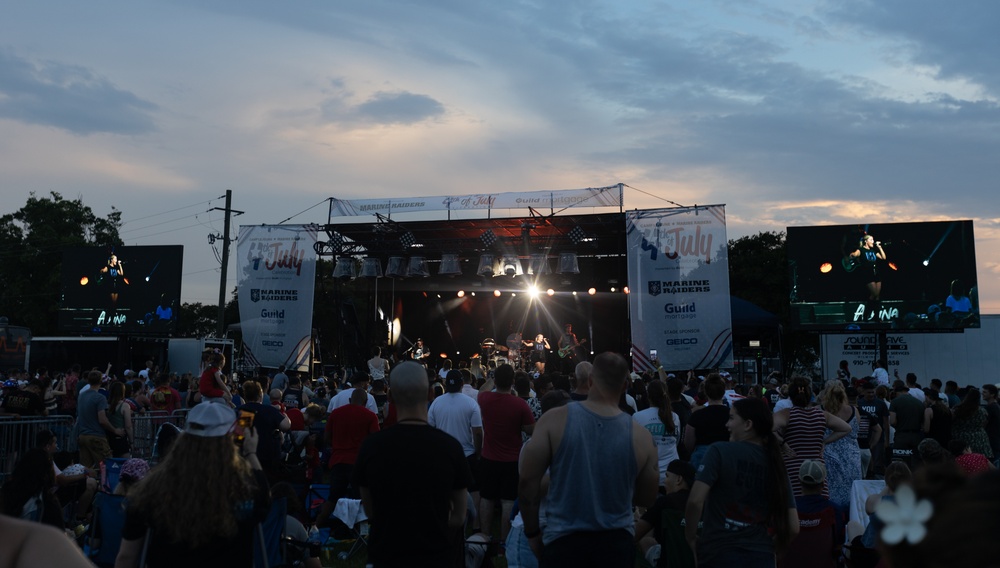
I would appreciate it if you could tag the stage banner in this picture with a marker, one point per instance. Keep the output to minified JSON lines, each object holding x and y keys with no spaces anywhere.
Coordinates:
{"x":678,"y":275}
{"x":610,"y":196}
{"x":277,"y":275}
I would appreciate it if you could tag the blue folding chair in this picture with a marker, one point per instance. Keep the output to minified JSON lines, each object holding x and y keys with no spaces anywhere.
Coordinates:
{"x":106,"y":528}
{"x":268,"y":550}
{"x":316,"y":496}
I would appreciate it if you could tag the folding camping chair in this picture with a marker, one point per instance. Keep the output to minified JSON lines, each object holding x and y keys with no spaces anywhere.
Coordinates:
{"x":106,"y":529}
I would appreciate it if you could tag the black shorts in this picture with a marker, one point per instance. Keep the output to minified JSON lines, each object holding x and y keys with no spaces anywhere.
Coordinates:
{"x":473,"y":461}
{"x":497,"y":480}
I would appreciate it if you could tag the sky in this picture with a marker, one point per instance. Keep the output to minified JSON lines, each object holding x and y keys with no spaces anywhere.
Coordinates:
{"x":790,"y":112}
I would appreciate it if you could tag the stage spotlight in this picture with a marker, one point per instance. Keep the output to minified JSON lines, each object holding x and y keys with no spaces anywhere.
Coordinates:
{"x":439,"y":295}
{"x":461,"y":293}
{"x":371,"y":267}
{"x":473,"y":294}
{"x":533,"y":292}
{"x":510,"y":265}
{"x":893,"y":266}
{"x":147,"y":279}
{"x":488,"y":237}
{"x":927,"y":262}
{"x":625,"y":289}
{"x":612,"y":288}
{"x":568,"y":263}
{"x":407,"y":239}
{"x":485,"y":265}
{"x":496,"y":293}
{"x":574,"y":292}
{"x":450,"y":265}
{"x":513,"y":294}
{"x":576,"y":234}
{"x":396,"y":268}
{"x":592,"y":291}
{"x":550,"y":292}
{"x":84,"y":281}
{"x":825,"y":268}
{"x":345,"y":269}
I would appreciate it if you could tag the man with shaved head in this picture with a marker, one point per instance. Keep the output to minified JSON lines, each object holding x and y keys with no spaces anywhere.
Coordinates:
{"x":413,"y":480}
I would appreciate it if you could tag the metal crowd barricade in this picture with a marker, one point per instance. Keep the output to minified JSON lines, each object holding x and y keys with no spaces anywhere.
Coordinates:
{"x":17,"y":435}
{"x":145,"y":427}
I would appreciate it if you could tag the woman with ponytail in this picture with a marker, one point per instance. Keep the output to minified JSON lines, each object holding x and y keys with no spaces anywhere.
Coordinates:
{"x":662,"y":422}
{"x":742,"y":495}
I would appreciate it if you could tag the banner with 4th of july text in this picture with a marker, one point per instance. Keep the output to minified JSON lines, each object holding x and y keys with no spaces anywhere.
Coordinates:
{"x":678,"y":275}
{"x":277,"y":275}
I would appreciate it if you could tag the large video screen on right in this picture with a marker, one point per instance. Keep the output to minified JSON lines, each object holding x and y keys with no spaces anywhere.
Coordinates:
{"x":912,"y":276}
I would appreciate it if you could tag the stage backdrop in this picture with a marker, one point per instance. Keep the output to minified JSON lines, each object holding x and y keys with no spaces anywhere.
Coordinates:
{"x":678,"y":275}
{"x":277,"y":274}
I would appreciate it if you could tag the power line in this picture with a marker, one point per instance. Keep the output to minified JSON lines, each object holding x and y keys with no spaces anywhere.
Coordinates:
{"x":170,"y":211}
{"x":301,"y":212}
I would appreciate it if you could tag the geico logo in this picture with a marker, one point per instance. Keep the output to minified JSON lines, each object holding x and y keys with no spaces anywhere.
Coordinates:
{"x":683,"y":341}
{"x":272,"y":343}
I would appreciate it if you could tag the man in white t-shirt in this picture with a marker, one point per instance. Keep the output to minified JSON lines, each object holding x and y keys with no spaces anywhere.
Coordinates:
{"x":459,"y":416}
{"x":343,"y":397}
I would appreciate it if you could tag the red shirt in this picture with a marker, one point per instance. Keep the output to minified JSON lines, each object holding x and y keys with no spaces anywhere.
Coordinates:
{"x":207,"y":386}
{"x":503,"y":417}
{"x":295,"y":417}
{"x":347,"y":427}
{"x":972,"y":464}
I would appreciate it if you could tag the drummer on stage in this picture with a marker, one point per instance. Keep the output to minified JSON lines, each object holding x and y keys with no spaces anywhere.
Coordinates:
{"x":539,"y":351}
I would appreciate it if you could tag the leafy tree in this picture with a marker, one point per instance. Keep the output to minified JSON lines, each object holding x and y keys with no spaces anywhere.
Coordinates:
{"x":758,"y":271}
{"x":31,"y":243}
{"x":196,"y":320}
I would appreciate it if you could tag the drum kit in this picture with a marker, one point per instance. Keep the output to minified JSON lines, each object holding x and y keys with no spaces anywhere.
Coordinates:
{"x":513,"y":352}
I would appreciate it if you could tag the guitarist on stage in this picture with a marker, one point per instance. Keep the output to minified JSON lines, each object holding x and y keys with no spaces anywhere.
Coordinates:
{"x":421,"y":354}
{"x":568,"y":346}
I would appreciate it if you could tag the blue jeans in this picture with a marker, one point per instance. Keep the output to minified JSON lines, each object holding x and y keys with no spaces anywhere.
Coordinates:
{"x":519,"y":554}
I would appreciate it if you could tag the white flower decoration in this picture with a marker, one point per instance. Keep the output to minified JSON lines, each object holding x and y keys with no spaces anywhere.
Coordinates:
{"x":904,"y":519}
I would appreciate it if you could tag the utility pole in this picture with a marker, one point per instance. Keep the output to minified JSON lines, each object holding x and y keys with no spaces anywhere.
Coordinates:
{"x":221,"y":323}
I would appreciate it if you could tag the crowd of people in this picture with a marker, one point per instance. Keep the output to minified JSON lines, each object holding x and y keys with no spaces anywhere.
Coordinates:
{"x":592,"y":468}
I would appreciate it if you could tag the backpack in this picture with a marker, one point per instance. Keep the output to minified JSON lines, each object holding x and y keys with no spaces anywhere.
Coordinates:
{"x":159,"y":399}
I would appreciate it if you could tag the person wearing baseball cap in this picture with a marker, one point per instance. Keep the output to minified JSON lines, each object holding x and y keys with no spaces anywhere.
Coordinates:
{"x":820,"y":521}
{"x":201,"y":505}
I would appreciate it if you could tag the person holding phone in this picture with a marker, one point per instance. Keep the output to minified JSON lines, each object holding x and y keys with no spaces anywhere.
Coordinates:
{"x":269,"y":423}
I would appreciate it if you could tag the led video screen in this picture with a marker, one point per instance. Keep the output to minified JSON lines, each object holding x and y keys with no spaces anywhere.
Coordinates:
{"x":124,"y":290}
{"x":913,"y":276}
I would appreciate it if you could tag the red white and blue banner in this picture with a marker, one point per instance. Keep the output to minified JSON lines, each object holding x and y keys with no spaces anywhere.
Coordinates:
{"x":277,"y":275}
{"x":678,"y":275}
{"x":610,"y":196}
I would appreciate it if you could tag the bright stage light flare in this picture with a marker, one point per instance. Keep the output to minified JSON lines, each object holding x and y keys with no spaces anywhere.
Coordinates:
{"x":625,"y":289}
{"x":461,"y":293}
{"x":612,"y":288}
{"x":927,"y":262}
{"x":496,"y":293}
{"x":825,"y":267}
{"x":84,"y":281}
{"x":892,"y":265}
{"x":533,"y":292}
{"x":550,"y":292}
{"x":592,"y":291}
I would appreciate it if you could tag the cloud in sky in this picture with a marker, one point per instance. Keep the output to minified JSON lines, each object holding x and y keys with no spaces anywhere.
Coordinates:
{"x":69,"y":97}
{"x":789,"y":112}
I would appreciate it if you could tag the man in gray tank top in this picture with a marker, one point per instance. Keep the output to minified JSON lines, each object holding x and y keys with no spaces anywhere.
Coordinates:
{"x":599,"y":464}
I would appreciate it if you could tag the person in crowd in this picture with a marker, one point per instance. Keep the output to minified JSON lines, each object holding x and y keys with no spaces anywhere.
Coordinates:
{"x":873,"y":406}
{"x":951,"y":391}
{"x":67,"y":403}
{"x":590,"y":448}
{"x":970,"y":462}
{"x":992,"y":419}
{"x":821,"y":523}
{"x":299,"y":549}
{"x":663,"y":424}
{"x":929,"y":451}
{"x":378,"y":368}
{"x":28,"y":493}
{"x":280,"y":380}
{"x":459,"y":416}
{"x":294,"y":396}
{"x":969,"y":423}
{"x":342,"y":398}
{"x":937,"y":418}
{"x":945,"y":519}
{"x":844,"y":371}
{"x":93,"y":423}
{"x":164,"y":397}
{"x":202,"y":504}
{"x":906,"y":415}
{"x":677,"y":486}
{"x":347,"y":428}
{"x":133,"y":471}
{"x":77,"y":484}
{"x":505,"y":417}
{"x":581,"y":386}
{"x":416,"y":518}
{"x":212,"y":384}
{"x":55,"y":388}
{"x":26,"y":401}
{"x":742,"y":494}
{"x":522,"y":387}
{"x":869,"y":430}
{"x":120,"y":416}
{"x":879,"y":373}
{"x":864,"y":540}
{"x":707,"y":424}
{"x":841,"y":457}
{"x":138,"y":397}
{"x":270,"y":425}
{"x":27,"y":545}
{"x":802,"y":430}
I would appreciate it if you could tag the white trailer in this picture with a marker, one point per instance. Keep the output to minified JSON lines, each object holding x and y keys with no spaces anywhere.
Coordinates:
{"x":969,"y":358}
